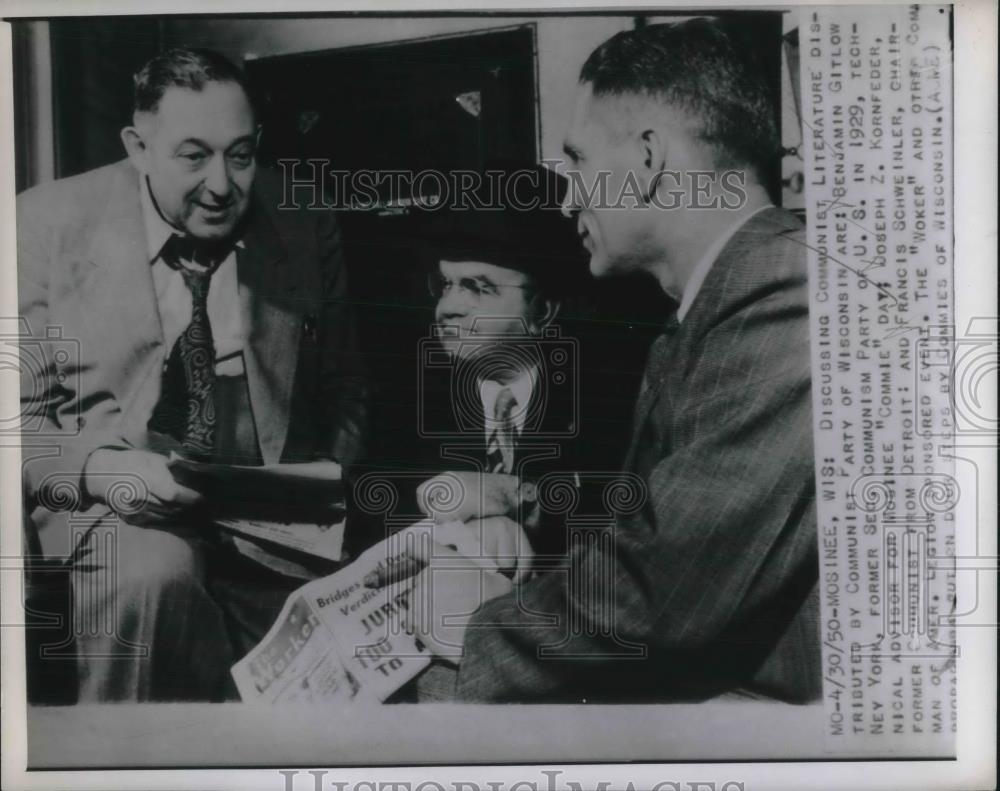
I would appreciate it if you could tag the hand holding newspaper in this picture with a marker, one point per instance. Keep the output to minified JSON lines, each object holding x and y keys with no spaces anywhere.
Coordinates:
{"x":338,"y":638}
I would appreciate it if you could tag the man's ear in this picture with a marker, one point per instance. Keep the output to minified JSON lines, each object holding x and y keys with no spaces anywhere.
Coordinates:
{"x":653,"y":155}
{"x":548,"y":309}
{"x":135,"y":147}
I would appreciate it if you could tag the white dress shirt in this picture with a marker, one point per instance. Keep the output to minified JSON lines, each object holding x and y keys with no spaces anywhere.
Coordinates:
{"x":704,"y":265}
{"x":173,"y":298}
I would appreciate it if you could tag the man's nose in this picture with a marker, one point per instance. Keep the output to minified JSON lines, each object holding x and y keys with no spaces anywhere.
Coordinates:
{"x":569,"y":206}
{"x":454,"y":303}
{"x":217,"y":177}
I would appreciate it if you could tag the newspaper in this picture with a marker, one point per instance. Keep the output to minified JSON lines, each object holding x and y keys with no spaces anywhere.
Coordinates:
{"x":337,"y":638}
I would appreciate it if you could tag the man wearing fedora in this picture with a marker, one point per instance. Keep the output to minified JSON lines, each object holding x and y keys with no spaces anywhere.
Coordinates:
{"x":500,"y":416}
{"x":499,"y":381}
{"x":500,"y":277}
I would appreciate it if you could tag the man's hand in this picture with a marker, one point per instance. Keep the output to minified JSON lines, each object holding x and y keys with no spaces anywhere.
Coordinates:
{"x":501,"y":543}
{"x":445,"y":595}
{"x":496,"y":544}
{"x":110,"y":478}
{"x":461,"y":496}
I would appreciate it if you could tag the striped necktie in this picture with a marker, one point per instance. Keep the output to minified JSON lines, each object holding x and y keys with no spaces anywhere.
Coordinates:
{"x":500,"y":448}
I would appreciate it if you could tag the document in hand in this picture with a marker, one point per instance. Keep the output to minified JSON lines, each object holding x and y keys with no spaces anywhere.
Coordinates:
{"x":300,"y":506}
{"x":324,"y":540}
{"x":337,"y":639}
{"x":254,"y":491}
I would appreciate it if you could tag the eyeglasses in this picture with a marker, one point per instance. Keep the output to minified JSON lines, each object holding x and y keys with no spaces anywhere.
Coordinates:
{"x":439,"y":285}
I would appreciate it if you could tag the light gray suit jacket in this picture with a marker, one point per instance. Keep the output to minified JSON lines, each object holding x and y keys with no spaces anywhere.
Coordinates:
{"x":709,"y":582}
{"x":94,"y":349}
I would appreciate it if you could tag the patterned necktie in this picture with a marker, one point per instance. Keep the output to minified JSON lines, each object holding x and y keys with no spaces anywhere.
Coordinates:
{"x":186,"y":409}
{"x":500,"y":448}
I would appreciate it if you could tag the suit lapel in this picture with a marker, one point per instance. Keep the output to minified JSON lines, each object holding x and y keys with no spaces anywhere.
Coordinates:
{"x":653,"y":381}
{"x":737,"y":272}
{"x":726,"y":282}
{"x":120,"y":285}
{"x":553,"y":411}
{"x":272,"y":322}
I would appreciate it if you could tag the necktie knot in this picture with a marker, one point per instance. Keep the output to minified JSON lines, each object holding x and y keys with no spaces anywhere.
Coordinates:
{"x":197,"y":283}
{"x":504,"y":406}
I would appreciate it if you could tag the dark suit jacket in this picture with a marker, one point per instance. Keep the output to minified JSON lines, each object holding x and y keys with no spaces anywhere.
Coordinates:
{"x":710,"y":584}
{"x":84,"y":274}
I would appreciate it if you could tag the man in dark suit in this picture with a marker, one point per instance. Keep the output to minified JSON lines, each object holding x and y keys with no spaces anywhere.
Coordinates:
{"x":207,"y":323}
{"x":499,"y":382}
{"x":502,"y":395}
{"x":707,"y":583}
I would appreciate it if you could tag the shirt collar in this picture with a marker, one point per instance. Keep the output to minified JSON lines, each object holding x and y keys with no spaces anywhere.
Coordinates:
{"x":158,"y":230}
{"x":704,"y":265}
